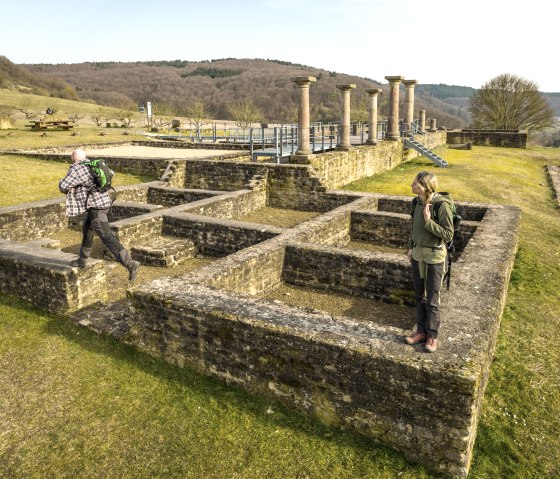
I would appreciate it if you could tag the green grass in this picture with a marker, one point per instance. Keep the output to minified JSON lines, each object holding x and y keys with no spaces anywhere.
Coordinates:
{"x":74,"y":404}
{"x":518,"y":435}
{"x":22,"y":136}
{"x":26,"y":179}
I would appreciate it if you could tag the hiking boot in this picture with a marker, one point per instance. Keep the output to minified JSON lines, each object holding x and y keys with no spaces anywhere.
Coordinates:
{"x":431,"y":345}
{"x":133,"y":270}
{"x":80,"y":262}
{"x":416,"y":338}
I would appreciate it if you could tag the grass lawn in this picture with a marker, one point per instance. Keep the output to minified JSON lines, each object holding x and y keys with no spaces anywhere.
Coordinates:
{"x":26,"y":179}
{"x":73,"y":404}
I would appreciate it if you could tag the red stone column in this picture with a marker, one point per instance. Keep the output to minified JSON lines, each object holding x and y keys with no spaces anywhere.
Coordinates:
{"x":344,"y":142}
{"x":409,"y":102}
{"x":422,"y":119}
{"x":393,"y":132}
{"x":372,"y":113}
{"x":303,"y":84}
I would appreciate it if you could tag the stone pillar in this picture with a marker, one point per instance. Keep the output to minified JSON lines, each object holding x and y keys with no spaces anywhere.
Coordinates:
{"x":433,"y":124}
{"x":372,"y":111}
{"x":409,"y":102}
{"x":344,"y":143}
{"x":303,"y":84}
{"x":393,"y":132}
{"x":422,"y":119}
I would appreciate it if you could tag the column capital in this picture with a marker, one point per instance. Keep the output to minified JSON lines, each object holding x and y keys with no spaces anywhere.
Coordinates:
{"x":347,"y":87}
{"x":394,"y":79}
{"x":373,"y":91}
{"x":303,"y":81}
{"x":410,"y":82}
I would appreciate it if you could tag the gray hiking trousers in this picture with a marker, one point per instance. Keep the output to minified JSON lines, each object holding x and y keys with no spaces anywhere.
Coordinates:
{"x":426,"y":293}
{"x":96,"y":221}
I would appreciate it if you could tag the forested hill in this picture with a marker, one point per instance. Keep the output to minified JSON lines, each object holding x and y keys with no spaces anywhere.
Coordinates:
{"x":178,"y":84}
{"x":220,"y":82}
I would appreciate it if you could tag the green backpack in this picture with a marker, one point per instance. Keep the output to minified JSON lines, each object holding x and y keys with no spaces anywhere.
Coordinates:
{"x":102,"y":174}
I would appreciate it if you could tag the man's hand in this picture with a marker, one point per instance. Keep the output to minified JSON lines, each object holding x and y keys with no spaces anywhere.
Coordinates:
{"x":409,"y":255}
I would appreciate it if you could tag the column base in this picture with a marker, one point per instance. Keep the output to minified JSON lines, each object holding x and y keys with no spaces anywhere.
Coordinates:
{"x":371,"y":142}
{"x":392,"y":137}
{"x":300,"y":158}
{"x":342,"y":147}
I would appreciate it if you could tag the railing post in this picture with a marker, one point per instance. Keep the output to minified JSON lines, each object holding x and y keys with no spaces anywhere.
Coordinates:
{"x":251,"y":143}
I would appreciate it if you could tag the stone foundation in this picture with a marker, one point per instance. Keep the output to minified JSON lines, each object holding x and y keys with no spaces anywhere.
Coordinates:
{"x":504,"y":138}
{"x":350,"y":373}
{"x":44,"y":277}
{"x":361,"y":376}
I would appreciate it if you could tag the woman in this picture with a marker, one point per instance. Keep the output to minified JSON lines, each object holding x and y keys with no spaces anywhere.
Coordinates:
{"x":432,"y":227}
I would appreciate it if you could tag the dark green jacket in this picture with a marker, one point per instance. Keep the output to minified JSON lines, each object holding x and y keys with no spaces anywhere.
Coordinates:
{"x":431,"y":233}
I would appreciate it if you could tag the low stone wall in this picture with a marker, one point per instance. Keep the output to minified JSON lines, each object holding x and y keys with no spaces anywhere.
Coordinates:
{"x":125,"y":209}
{"x":357,"y":273}
{"x":44,"y":277}
{"x":215,"y":237}
{"x":231,"y":205}
{"x":191,"y":145}
{"x":554,"y":174}
{"x":504,"y":138}
{"x":393,"y":229}
{"x":345,"y":372}
{"x":33,"y":220}
{"x":151,"y":167}
{"x":339,"y":168}
{"x":177,"y":196}
{"x":220,"y":175}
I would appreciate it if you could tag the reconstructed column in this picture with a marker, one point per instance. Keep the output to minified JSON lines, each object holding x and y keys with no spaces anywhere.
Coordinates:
{"x":422,"y":119}
{"x":344,"y":142}
{"x":409,"y":102}
{"x":433,"y":124}
{"x":303,"y":84}
{"x":393,"y":132}
{"x":372,"y":110}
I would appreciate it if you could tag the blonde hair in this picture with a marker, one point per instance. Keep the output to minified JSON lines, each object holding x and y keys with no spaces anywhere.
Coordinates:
{"x":428,"y":181}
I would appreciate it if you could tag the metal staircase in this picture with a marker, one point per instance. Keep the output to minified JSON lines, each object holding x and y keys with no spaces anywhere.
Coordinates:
{"x":415,"y":145}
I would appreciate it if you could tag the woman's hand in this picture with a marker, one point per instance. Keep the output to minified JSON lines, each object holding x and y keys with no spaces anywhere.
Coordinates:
{"x":426,"y":212}
{"x":409,"y":255}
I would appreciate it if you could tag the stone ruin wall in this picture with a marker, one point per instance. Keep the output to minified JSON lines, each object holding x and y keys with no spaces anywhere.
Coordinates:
{"x":346,"y":372}
{"x":502,"y":138}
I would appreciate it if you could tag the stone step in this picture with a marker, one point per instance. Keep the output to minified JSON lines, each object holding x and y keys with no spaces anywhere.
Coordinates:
{"x":164,"y":251}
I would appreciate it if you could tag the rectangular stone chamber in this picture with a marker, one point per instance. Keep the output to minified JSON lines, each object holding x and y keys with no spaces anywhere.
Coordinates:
{"x":344,"y":371}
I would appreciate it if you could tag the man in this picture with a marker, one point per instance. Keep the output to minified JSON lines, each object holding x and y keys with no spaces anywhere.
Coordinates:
{"x":81,"y":196}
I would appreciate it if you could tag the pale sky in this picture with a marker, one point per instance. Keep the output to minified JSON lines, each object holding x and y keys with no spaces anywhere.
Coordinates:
{"x":433,"y":41}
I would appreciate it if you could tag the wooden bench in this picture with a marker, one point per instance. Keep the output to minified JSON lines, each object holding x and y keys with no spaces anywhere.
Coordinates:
{"x":43,"y":125}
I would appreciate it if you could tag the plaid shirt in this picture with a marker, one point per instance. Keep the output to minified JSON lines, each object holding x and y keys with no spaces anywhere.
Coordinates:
{"x":76,"y":184}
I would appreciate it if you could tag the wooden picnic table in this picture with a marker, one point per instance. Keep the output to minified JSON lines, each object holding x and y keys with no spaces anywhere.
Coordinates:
{"x":42,"y":125}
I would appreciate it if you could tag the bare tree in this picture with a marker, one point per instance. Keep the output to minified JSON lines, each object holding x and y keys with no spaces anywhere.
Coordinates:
{"x":101,"y":115}
{"x":26,"y":107}
{"x":196,"y":113}
{"x":510,"y":102}
{"x":359,"y":110}
{"x":244,"y":112}
{"x":161,"y":114}
{"x":76,"y":116}
{"x":126,"y":117}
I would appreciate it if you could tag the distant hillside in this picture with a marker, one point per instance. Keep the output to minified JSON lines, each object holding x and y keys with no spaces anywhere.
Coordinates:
{"x":17,"y":77}
{"x":218,"y":83}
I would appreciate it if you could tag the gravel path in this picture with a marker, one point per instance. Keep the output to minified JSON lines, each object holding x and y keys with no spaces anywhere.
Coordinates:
{"x":152,"y":152}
